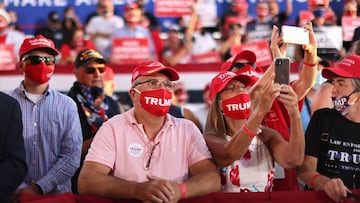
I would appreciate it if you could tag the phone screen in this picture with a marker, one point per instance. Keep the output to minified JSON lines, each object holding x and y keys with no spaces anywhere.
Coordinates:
{"x":282,"y":70}
{"x":295,"y":35}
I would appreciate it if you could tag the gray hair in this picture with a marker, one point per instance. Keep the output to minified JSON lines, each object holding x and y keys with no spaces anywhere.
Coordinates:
{"x":356,"y":82}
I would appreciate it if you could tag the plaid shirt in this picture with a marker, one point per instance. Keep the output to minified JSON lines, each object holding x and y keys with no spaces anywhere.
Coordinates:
{"x":53,"y":140}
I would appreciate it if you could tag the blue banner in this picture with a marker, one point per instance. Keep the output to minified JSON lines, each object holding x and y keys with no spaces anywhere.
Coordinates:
{"x":33,"y":13}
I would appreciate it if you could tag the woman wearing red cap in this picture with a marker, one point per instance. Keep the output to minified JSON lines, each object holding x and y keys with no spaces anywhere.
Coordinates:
{"x":243,"y":150}
{"x":332,"y":153}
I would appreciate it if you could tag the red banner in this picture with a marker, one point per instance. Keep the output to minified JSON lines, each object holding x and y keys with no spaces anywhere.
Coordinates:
{"x":130,"y":50}
{"x":261,"y":50}
{"x":173,"y":8}
{"x":7,"y":57}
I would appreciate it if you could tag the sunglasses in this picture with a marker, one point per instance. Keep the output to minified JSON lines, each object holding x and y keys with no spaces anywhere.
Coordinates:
{"x":35,"y":59}
{"x":241,"y":65}
{"x":92,"y":70}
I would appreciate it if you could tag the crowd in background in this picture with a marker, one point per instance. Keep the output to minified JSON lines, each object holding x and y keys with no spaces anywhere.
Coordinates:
{"x":262,"y":135}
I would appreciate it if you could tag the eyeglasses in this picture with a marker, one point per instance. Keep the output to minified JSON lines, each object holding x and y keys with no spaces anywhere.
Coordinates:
{"x":156,"y":84}
{"x":35,"y":59}
{"x":92,"y":70}
{"x":241,"y":65}
{"x":148,"y":162}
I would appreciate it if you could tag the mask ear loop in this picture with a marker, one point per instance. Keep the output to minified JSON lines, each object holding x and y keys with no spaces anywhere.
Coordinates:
{"x":136,"y":90}
{"x":355,"y":91}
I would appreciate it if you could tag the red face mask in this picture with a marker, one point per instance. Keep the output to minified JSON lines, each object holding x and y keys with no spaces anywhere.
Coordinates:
{"x":238,"y":107}
{"x":350,"y":13}
{"x":39,"y":73}
{"x":156,"y":102}
{"x":249,"y":71}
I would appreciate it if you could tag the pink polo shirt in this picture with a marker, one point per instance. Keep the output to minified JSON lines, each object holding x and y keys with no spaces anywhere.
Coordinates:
{"x":122,"y":145}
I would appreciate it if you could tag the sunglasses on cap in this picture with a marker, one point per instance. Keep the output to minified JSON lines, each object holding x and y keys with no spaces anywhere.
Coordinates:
{"x":241,"y":65}
{"x":90,"y":54}
{"x":91,"y":70}
{"x":35,"y":59}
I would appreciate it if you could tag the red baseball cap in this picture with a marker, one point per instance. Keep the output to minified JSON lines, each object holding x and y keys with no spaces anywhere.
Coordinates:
{"x":151,"y":67}
{"x":38,"y":42}
{"x":245,"y":55}
{"x":347,"y":68}
{"x":219,"y":82}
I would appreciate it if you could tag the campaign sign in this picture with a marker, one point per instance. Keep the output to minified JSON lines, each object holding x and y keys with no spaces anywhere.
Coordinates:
{"x":261,"y":50}
{"x":348,"y":26}
{"x":7,"y":57}
{"x":329,"y":38}
{"x":130,"y":50}
{"x":173,"y":8}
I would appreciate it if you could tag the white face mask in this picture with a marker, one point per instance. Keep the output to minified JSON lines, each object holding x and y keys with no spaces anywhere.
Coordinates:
{"x":341,"y":103}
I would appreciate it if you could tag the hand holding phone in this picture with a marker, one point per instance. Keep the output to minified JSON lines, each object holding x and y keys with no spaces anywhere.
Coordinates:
{"x":282,"y":70}
{"x":295,"y":35}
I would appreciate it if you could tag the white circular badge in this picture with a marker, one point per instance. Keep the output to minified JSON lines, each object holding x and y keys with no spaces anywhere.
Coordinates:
{"x":135,"y":149}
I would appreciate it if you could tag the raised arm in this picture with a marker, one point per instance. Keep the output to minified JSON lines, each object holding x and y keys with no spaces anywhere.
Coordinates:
{"x":288,"y":153}
{"x":225,"y":153}
{"x":307,"y":74}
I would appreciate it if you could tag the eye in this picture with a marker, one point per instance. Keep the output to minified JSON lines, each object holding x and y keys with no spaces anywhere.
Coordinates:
{"x":153,"y":83}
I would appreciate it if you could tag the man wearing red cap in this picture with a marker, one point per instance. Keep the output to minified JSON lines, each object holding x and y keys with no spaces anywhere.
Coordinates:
{"x":52,"y":130}
{"x":145,"y":153}
{"x":332,"y":139}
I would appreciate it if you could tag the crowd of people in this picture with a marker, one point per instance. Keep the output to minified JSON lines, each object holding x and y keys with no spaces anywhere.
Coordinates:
{"x":157,"y":149}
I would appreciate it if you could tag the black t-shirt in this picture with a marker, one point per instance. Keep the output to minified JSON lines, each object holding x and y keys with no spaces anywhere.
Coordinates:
{"x":335,"y":141}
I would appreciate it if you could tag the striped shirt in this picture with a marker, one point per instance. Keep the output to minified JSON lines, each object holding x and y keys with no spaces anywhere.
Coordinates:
{"x":53,"y":140}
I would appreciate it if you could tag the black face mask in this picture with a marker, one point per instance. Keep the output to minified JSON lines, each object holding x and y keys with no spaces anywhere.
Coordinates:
{"x":96,"y":92}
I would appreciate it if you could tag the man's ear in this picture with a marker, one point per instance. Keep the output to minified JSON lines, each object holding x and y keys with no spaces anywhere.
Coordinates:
{"x":131,"y":93}
{"x":20,"y":66}
{"x":76,"y":73}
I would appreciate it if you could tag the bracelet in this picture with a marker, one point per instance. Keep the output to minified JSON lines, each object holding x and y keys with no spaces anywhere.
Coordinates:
{"x":310,"y":64}
{"x":248,"y":131}
{"x":312,"y":180}
{"x":183,"y":190}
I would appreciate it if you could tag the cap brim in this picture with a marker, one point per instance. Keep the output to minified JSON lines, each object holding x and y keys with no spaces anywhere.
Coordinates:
{"x":329,"y":73}
{"x":87,"y":62}
{"x":246,"y":55}
{"x":170,"y":72}
{"x":242,"y":78}
{"x":47,"y":49}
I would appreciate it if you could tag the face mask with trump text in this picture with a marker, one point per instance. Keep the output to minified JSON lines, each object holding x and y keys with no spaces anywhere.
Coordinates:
{"x":238,"y":107}
{"x":156,"y":102}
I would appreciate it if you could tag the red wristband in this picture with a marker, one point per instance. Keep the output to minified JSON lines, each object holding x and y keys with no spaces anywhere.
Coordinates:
{"x":310,"y":64}
{"x":248,"y":131}
{"x":312,"y":180}
{"x":183,"y":190}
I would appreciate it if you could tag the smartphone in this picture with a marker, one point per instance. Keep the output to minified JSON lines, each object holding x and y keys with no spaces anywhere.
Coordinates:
{"x":295,"y":35}
{"x":282,"y":70}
